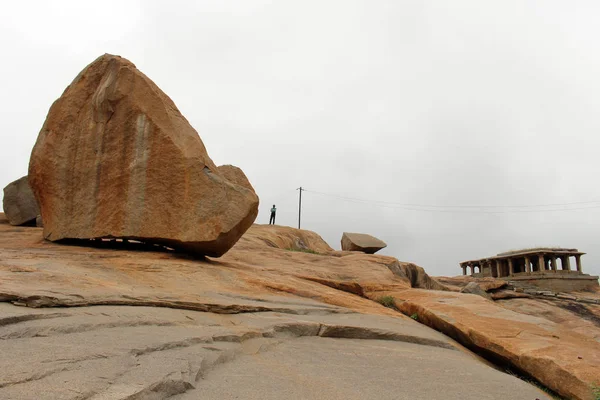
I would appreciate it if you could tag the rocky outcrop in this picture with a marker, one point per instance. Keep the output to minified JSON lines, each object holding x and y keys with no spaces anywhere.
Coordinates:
{"x":285,"y":238}
{"x":474,"y":288}
{"x":456,"y":283}
{"x":152,"y":353}
{"x":416,"y":275}
{"x":361,"y":242}
{"x":19,"y":203}
{"x":116,"y":159}
{"x":175,"y":314}
{"x":563,"y":353}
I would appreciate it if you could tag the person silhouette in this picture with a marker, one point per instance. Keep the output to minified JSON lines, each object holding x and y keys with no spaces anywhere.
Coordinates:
{"x":273,"y":211}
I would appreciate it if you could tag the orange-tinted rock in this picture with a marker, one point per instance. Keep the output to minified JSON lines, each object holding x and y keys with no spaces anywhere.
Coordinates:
{"x":416,"y":275}
{"x":559,"y":349}
{"x":115,"y":158}
{"x":361,"y":242}
{"x":260,"y":274}
{"x":491,"y":284}
{"x":457,"y":283}
{"x":235,"y":175}
{"x":165,"y":322}
{"x":508,"y":294}
{"x":18,"y":203}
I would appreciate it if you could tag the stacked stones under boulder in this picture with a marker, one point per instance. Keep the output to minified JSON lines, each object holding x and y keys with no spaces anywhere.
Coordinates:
{"x":361,"y":242}
{"x":116,"y":159}
{"x":19,"y":203}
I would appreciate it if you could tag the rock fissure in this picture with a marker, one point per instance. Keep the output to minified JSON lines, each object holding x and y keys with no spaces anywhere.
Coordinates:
{"x":52,"y":302}
{"x":35,"y":377}
{"x":32,"y":332}
{"x":29,"y":317}
{"x":172,"y":345}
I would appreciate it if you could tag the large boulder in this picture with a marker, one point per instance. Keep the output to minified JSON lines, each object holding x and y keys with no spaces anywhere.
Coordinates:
{"x":19,"y":203}
{"x":115,"y":158}
{"x":361,"y":242}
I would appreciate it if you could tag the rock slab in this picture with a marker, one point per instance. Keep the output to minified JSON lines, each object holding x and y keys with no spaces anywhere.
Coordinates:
{"x":19,"y":203}
{"x":361,"y":242}
{"x":116,"y":159}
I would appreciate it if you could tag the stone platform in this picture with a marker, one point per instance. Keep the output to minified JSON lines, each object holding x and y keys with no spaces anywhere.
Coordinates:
{"x":558,"y":282}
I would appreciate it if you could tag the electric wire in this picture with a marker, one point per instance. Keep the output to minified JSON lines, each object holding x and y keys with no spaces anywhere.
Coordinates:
{"x":472,"y":209}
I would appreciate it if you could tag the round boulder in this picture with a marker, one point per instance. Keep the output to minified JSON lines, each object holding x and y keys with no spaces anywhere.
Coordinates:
{"x":19,"y":203}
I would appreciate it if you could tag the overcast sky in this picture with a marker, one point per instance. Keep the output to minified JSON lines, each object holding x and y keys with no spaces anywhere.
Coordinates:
{"x":405,"y":103}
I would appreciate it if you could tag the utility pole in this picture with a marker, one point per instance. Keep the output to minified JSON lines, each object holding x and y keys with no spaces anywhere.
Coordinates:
{"x":300,"y":206}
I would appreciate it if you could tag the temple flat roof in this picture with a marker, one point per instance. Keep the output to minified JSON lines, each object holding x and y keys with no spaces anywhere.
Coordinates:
{"x":537,"y":250}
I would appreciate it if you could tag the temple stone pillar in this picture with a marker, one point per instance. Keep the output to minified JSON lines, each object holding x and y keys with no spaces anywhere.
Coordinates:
{"x":464,"y":268}
{"x":566,"y":263}
{"x":472,"y":269}
{"x":578,"y":261}
{"x":553,"y":263}
{"x":496,"y":266}
{"x":542,"y":263}
{"x":527,"y":265}
{"x":511,"y":270}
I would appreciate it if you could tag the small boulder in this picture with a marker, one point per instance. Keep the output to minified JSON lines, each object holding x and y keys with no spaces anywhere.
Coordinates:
{"x":491,"y":284}
{"x":509,"y":294}
{"x":116,"y":159}
{"x":361,"y":242}
{"x":474,"y":288}
{"x":19,"y":203}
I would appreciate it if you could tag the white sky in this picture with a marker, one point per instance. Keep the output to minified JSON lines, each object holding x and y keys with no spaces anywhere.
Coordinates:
{"x":409,"y":102}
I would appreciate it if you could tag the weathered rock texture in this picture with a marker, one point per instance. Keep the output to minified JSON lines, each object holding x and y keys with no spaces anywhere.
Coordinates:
{"x":19,"y":203}
{"x":121,"y":321}
{"x":361,"y":242}
{"x":127,"y":353}
{"x":457,"y":283}
{"x":559,"y":348}
{"x":115,"y":158}
{"x":416,"y":275}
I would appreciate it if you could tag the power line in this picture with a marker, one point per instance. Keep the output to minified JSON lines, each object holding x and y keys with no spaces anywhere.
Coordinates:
{"x":454,"y":206}
{"x":464,"y":208}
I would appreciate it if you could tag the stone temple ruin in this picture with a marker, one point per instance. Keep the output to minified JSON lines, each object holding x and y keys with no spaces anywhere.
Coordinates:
{"x":536,"y":266}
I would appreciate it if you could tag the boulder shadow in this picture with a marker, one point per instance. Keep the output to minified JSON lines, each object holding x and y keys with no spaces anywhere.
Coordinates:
{"x":135,"y":245}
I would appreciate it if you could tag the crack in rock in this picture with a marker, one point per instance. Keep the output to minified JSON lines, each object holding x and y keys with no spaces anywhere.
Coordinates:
{"x":354,"y":332}
{"x":172,"y":345}
{"x":29,"y":317}
{"x":162,"y":390}
{"x":37,"y":301}
{"x":34,"y":377}
{"x":32,"y":332}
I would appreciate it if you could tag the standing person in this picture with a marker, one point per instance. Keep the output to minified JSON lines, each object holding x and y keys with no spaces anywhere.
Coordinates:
{"x":272,"y":219}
